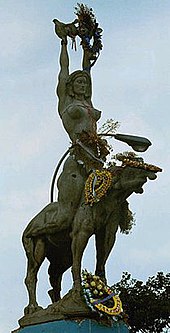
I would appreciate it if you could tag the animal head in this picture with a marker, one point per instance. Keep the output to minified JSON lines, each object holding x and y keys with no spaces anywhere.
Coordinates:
{"x":131,"y":179}
{"x":133,"y":173}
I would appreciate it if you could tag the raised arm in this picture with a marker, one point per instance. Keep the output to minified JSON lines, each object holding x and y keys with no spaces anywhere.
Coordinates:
{"x":61,"y":32}
{"x":86,"y":60}
{"x":89,"y":59}
{"x":63,"y":75}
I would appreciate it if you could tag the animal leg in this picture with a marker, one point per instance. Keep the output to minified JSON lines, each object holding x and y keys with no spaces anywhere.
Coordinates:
{"x":35,"y":252}
{"x":79,"y":242}
{"x":55,"y":281}
{"x":105,"y":240}
{"x":58,"y":252}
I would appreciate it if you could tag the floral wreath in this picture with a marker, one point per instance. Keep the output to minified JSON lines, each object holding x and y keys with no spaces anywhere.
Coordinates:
{"x":99,"y":296}
{"x":97,"y":185}
{"x":88,"y":29}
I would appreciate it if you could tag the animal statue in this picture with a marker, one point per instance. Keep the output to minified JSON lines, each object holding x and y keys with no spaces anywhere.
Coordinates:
{"x":68,"y":29}
{"x":86,"y":205}
{"x":64,"y":245}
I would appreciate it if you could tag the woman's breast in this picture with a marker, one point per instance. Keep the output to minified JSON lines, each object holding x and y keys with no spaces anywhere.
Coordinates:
{"x":79,"y":118}
{"x":78,"y":110}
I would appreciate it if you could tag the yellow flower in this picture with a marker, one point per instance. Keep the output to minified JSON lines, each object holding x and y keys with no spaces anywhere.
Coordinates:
{"x":93,"y":284}
{"x":99,"y":287}
{"x":87,"y":285}
{"x":95,"y":292}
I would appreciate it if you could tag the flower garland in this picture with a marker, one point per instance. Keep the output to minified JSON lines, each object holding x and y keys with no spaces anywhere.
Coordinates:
{"x":97,"y":185}
{"x":96,"y":143}
{"x":131,"y":159}
{"x":99,"y":296}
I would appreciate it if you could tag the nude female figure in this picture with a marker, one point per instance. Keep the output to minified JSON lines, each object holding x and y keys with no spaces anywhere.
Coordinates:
{"x":88,"y":151}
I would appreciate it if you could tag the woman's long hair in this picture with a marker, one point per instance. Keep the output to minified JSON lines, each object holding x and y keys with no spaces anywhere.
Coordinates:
{"x":71,"y":79}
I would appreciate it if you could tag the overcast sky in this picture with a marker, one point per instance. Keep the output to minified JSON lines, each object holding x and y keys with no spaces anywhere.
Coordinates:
{"x":131,"y":84}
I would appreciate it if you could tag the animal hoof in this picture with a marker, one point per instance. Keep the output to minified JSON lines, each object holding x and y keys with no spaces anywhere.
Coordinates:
{"x":31,"y":308}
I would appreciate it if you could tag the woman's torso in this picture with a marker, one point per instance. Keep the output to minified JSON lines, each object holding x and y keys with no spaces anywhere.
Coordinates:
{"x":80,"y":117}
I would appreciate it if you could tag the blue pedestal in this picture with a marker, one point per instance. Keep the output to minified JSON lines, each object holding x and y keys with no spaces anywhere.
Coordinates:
{"x":70,"y":326}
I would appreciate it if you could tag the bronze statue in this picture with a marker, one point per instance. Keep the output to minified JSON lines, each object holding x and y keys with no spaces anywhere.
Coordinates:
{"x":62,"y":229}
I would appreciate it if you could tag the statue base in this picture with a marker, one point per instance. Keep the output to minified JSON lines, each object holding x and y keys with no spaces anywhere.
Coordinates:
{"x":68,"y":315}
{"x":74,"y":326}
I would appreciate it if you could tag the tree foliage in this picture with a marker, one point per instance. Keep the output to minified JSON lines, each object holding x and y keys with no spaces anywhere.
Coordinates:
{"x":147,"y":305}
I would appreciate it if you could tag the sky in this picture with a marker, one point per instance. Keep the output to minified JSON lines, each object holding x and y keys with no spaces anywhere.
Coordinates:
{"x":131,"y":84}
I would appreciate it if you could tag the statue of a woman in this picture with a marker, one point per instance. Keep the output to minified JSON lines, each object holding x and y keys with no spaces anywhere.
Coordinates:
{"x":79,"y":119}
